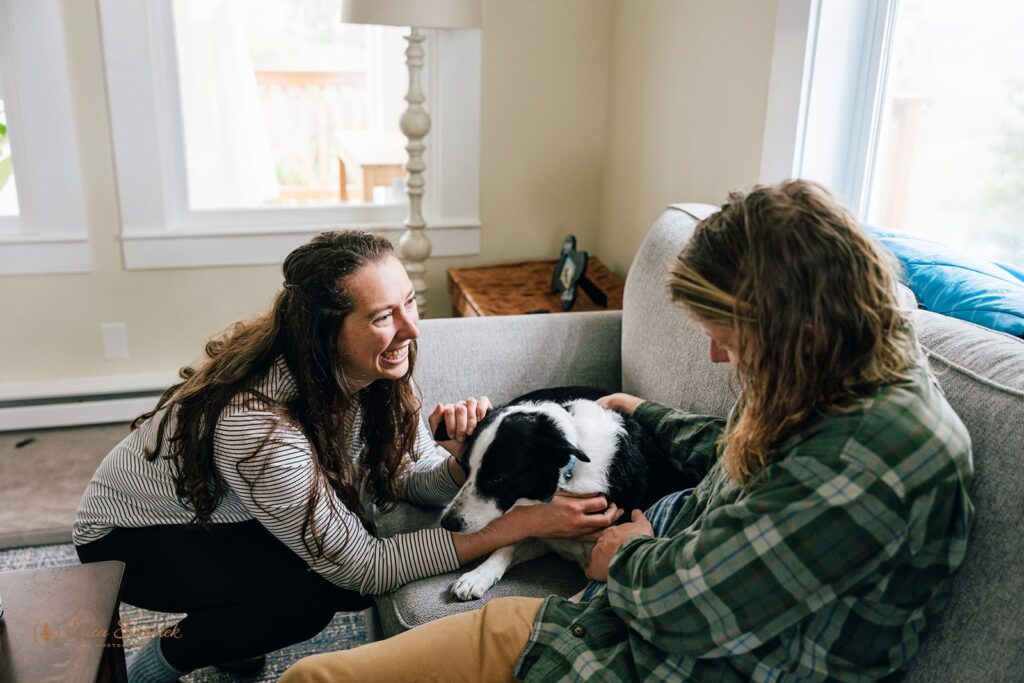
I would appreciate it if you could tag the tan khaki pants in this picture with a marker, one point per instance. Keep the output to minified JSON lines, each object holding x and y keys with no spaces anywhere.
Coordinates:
{"x":477,"y":647}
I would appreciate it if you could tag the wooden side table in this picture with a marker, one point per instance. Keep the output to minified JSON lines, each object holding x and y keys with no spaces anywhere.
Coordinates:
{"x":60,"y":624}
{"x":519,"y":288}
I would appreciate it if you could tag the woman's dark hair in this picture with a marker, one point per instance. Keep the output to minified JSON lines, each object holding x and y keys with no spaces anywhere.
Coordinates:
{"x":812,"y":302}
{"x":302,"y":326}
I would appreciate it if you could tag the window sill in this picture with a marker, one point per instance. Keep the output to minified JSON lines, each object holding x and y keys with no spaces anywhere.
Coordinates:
{"x":153,"y":249}
{"x":45,"y":254}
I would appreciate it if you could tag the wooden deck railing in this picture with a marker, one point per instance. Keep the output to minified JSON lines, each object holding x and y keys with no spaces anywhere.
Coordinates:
{"x":302,"y":110}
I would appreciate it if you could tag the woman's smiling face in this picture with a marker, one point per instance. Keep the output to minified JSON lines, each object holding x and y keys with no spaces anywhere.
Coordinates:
{"x":374,"y":339}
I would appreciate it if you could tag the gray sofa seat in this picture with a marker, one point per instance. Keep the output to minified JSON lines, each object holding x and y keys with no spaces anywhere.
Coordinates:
{"x":652,"y":350}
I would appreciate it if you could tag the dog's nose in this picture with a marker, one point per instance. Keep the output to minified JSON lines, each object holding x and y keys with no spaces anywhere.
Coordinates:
{"x":452,"y":523}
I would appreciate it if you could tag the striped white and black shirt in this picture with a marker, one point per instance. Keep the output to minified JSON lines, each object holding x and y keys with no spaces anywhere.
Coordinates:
{"x":129,"y":491}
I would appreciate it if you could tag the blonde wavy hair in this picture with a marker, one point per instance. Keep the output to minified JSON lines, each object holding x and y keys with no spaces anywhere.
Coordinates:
{"x":812,"y":302}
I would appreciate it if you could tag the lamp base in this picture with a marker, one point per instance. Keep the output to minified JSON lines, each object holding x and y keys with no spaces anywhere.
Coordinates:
{"x":414,"y":245}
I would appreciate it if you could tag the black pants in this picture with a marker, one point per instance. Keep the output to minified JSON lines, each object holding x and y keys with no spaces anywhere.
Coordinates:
{"x":244,"y":592}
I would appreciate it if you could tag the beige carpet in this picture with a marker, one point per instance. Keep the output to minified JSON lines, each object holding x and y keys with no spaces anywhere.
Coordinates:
{"x":41,"y":482}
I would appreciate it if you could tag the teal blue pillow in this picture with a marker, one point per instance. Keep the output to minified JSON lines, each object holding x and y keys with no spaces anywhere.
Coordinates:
{"x":949,"y":282}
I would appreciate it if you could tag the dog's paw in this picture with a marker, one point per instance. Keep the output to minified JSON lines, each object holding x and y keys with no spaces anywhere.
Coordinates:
{"x":472,"y":585}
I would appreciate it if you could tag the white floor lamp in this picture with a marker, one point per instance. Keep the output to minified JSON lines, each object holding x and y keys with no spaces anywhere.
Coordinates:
{"x":414,"y":245}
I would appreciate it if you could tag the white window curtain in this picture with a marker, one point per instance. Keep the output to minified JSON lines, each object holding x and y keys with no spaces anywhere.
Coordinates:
{"x":227,"y":149}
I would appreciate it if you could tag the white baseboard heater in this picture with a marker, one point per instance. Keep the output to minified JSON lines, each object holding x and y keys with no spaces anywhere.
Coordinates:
{"x":80,"y":401}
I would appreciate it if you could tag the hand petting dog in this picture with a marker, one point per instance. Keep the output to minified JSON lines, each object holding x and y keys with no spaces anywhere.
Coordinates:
{"x":609,"y":542}
{"x":624,"y":403}
{"x":460,"y":420}
{"x":568,"y":516}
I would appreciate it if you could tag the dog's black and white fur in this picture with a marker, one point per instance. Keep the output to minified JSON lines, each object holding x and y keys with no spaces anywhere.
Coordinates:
{"x":527,"y":450}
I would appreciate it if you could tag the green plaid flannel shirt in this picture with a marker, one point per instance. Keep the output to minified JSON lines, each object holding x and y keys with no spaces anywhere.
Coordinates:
{"x":828,"y":567}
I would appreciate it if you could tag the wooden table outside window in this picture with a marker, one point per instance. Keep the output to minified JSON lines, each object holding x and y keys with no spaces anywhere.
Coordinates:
{"x":519,"y":288}
{"x":378,"y":155}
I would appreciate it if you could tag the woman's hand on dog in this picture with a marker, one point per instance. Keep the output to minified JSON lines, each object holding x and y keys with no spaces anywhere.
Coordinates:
{"x":566,"y":516}
{"x":460,"y":420}
{"x":624,"y":403}
{"x":609,"y":542}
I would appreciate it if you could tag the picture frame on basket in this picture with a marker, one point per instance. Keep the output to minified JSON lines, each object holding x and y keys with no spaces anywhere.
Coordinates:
{"x":570,"y":273}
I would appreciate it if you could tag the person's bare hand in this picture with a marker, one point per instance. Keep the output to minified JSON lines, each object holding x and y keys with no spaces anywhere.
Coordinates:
{"x":609,"y":542}
{"x":566,"y":516}
{"x":460,"y":421}
{"x":624,"y":403}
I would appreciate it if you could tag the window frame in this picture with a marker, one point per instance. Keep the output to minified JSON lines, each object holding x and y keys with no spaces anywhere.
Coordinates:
{"x":50,"y":233}
{"x":825,"y":95}
{"x":160,"y":230}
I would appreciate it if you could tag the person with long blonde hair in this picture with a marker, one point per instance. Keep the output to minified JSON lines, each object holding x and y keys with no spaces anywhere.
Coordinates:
{"x":833,"y":511}
{"x":248,"y":498}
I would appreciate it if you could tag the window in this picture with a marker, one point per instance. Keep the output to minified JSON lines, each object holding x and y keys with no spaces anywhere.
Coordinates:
{"x":281,"y":103}
{"x":42,"y":211}
{"x":911,"y":111}
{"x":950,"y":158}
{"x":241,"y":128}
{"x":8,"y":190}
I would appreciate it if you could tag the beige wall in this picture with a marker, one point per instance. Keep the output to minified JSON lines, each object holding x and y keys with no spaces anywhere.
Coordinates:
{"x":545,"y":74}
{"x":688,"y":86}
{"x":596,"y":114}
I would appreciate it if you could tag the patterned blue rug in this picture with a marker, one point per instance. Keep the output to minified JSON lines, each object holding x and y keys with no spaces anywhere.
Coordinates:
{"x":345,"y":631}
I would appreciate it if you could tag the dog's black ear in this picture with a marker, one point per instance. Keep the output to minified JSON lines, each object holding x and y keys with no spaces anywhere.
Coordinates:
{"x":551,"y":439}
{"x":563,"y":452}
{"x":441,"y":433}
{"x":580,"y":455}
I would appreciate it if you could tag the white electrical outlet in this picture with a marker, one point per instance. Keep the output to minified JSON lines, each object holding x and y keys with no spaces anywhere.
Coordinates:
{"x":115,"y":340}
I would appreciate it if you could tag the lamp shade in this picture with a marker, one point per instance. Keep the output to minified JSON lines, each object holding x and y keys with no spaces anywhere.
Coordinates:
{"x":418,"y":13}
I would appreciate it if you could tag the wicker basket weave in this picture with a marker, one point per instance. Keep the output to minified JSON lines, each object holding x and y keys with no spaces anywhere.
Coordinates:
{"x":517,"y":288}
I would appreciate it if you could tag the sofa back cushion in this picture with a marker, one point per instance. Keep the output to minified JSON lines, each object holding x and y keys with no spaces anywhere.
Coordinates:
{"x":506,"y":356}
{"x":664,"y":353}
{"x":980,"y":636}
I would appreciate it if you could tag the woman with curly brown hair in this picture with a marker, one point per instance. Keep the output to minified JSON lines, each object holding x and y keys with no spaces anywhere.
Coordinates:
{"x":247,"y":498}
{"x":833,"y":512}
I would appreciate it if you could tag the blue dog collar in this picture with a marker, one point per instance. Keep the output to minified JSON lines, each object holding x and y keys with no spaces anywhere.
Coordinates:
{"x":566,"y":473}
{"x":570,"y":466}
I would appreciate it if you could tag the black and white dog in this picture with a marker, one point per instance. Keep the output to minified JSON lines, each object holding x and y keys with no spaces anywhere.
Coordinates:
{"x":525,"y":451}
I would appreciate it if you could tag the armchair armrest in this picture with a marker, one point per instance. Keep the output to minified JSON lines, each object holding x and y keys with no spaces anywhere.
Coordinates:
{"x":506,"y":356}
